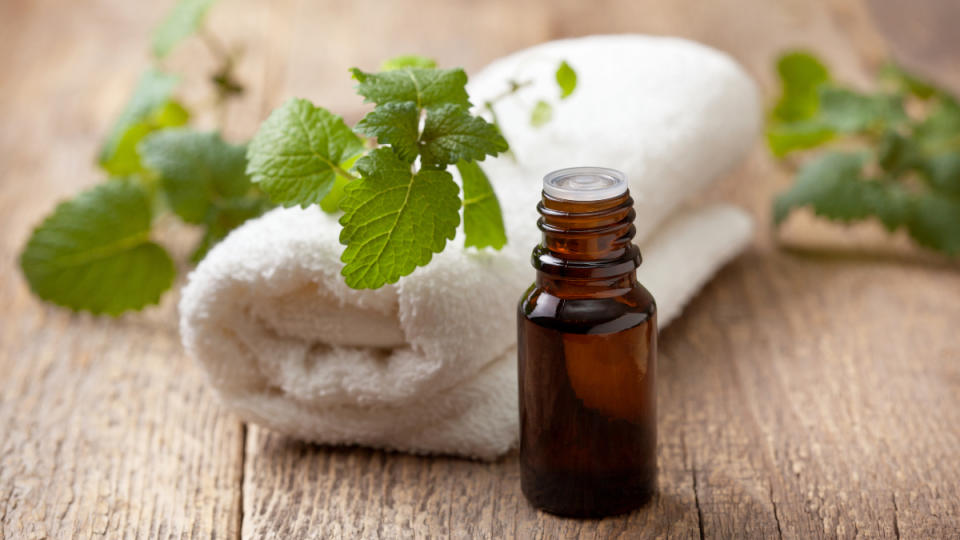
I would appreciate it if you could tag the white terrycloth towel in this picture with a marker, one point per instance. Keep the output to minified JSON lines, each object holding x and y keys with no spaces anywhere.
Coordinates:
{"x":428,"y":365}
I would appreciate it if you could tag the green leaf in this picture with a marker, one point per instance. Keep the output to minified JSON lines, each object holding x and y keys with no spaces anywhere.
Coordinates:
{"x":482,"y":219}
{"x":298,"y":151}
{"x":331,"y":203}
{"x":801,"y":75}
{"x":793,"y":125}
{"x":943,"y":171}
{"x":831,"y":184}
{"x":935,"y":222}
{"x":407,"y":60}
{"x":940,"y":130}
{"x":125,"y":160}
{"x":196,"y":169}
{"x":889,"y":202}
{"x":851,"y":112}
{"x":183,"y":20}
{"x":566,"y":79}
{"x":541,"y":114}
{"x":396,"y":124}
{"x":223,"y":217}
{"x":423,"y":87}
{"x":149,"y":108}
{"x":896,"y":154}
{"x":94,"y":253}
{"x":394,"y":220}
{"x":784,"y":138}
{"x":450,"y":134}
{"x":908,"y":82}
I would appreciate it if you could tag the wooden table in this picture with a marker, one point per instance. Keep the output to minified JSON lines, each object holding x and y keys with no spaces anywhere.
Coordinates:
{"x":811,"y":390}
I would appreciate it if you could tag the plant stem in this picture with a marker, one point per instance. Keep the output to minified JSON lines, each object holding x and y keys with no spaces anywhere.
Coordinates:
{"x":514,"y":88}
{"x":488,"y":105}
{"x":337,"y":169}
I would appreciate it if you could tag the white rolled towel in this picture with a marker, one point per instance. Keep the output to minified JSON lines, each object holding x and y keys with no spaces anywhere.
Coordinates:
{"x":428,"y":365}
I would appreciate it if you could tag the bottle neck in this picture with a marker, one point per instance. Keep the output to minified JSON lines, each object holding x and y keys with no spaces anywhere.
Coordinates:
{"x":587,"y":246}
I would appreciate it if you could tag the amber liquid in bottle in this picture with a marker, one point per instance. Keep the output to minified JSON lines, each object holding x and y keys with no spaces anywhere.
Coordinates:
{"x":587,"y":363}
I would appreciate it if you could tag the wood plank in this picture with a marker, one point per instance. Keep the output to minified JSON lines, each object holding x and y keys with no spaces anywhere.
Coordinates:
{"x":298,"y":490}
{"x":108,"y":431}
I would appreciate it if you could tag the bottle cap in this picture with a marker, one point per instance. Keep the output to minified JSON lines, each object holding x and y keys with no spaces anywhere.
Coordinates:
{"x":585,"y":184}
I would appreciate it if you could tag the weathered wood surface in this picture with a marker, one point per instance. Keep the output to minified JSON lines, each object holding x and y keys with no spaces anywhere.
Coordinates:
{"x":811,"y":391}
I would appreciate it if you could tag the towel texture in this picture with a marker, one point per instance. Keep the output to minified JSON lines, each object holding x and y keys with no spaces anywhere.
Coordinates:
{"x":428,"y":365}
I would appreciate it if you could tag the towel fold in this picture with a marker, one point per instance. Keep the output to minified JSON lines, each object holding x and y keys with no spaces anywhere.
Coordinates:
{"x":427,"y":365}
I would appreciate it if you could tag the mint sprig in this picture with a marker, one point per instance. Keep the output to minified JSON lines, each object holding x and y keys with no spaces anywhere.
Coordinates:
{"x":887,"y":164}
{"x":400,"y":203}
{"x":97,"y":252}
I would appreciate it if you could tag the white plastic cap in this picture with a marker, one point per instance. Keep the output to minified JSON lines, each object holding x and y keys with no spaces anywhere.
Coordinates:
{"x":585,"y":184}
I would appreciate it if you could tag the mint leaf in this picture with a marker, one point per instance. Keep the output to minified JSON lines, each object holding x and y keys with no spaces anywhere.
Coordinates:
{"x":482,"y":219}
{"x":793,"y":124}
{"x":126,"y":158}
{"x":94,"y":253}
{"x":407,"y":60}
{"x":196,"y":169}
{"x":394,"y":220}
{"x":149,"y":108}
{"x":908,"y":82}
{"x":423,"y":87}
{"x":298,"y":151}
{"x":801,"y":75}
{"x":940,"y":130}
{"x":850,"y":112}
{"x":541,"y":114}
{"x":896,"y":154}
{"x":935,"y":222}
{"x":831,"y":185}
{"x":566,"y":79}
{"x":943,"y":171}
{"x":786,"y":137}
{"x":451,"y":133}
{"x":396,"y":124}
{"x":184,"y":19}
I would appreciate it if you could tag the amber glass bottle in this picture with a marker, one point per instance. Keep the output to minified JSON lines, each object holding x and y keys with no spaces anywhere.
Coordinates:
{"x":587,"y":354}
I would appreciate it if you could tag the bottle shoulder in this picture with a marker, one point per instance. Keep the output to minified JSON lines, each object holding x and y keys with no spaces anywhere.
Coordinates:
{"x":588,"y":315}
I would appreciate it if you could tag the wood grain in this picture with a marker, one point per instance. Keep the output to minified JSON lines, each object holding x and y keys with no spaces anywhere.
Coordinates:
{"x":811,"y":390}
